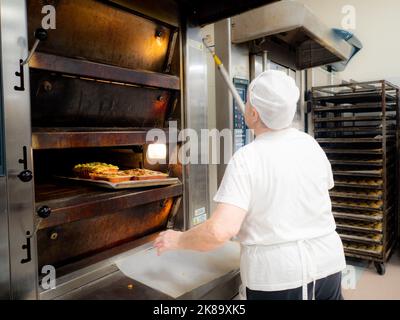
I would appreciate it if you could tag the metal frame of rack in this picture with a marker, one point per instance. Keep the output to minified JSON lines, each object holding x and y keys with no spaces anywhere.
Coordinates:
{"x":357,"y":126}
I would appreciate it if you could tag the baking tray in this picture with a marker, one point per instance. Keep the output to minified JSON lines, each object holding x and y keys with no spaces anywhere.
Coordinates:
{"x":124,"y":185}
{"x":352,"y":151}
{"x":361,"y":239}
{"x":351,"y":140}
{"x":374,"y":107}
{"x":349,"y":195}
{"x":360,"y":186}
{"x":358,"y":216}
{"x":366,"y":129}
{"x":352,"y":194}
{"x":355,"y":97}
{"x":342,"y":206}
{"x":377,"y":163}
{"x":360,"y":253}
{"x":359,"y":173}
{"x":355,"y":118}
{"x":354,"y":182}
{"x":390,"y":148}
{"x":367,"y":211}
{"x":347,"y":227}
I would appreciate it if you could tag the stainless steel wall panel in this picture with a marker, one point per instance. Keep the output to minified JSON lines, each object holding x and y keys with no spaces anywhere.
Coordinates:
{"x":195,"y":118}
{"x":224,"y":113}
{"x":4,"y":249}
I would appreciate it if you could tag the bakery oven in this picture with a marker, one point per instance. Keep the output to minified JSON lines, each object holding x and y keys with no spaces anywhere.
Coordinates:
{"x":87,"y":105}
{"x":101,"y":75}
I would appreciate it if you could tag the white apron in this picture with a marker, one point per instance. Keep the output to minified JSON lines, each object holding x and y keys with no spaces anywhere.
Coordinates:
{"x":308,"y":271}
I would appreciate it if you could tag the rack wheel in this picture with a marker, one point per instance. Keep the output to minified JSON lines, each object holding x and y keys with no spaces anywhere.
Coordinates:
{"x":380,"y":268}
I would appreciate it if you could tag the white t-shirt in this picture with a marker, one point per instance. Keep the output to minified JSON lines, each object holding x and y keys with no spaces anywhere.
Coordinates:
{"x":282,"y":180}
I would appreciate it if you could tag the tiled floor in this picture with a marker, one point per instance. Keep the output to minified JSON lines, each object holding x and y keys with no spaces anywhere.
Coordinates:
{"x":371,"y":286}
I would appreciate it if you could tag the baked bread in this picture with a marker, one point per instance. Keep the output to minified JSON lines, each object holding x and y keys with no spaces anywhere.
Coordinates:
{"x":145,"y":174}
{"x":116,"y":177}
{"x":87,"y":169}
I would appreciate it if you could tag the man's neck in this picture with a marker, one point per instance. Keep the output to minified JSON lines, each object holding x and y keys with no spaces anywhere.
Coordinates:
{"x":261,"y":130}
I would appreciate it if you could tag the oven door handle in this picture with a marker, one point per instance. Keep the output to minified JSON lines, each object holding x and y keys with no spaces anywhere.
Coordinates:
{"x":40,"y":35}
{"x":174,"y":211}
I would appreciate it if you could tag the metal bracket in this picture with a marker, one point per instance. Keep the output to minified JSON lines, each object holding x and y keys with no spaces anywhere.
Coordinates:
{"x":25,"y":175}
{"x":24,"y":160}
{"x":21,"y":76}
{"x":27,"y":247}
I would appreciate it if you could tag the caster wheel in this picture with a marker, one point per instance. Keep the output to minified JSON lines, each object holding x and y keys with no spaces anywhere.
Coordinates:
{"x":380,"y":268}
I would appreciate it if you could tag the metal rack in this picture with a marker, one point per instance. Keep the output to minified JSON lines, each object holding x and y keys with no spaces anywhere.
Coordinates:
{"x":357,"y":126}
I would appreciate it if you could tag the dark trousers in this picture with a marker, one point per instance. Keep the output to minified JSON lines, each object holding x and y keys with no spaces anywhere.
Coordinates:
{"x":329,"y":288}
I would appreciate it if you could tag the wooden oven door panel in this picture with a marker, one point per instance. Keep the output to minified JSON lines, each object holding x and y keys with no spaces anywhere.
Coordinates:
{"x":103,"y":33}
{"x":70,"y":242}
{"x":65,"y":101}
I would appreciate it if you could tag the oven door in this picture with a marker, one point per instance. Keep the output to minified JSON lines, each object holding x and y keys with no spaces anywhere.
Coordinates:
{"x":140,"y":274}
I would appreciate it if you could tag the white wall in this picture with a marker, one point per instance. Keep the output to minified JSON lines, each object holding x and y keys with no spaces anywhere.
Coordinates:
{"x":377,"y":26}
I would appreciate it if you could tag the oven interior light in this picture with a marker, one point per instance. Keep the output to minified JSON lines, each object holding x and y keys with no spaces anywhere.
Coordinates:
{"x":157,"y":151}
{"x":158,"y":35}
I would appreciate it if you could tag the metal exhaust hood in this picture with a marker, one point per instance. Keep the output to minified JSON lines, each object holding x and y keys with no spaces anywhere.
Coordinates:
{"x":291,"y":34}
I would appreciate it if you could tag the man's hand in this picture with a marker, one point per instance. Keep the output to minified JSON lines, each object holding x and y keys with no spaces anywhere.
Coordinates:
{"x":167,"y":240}
{"x":224,"y":224}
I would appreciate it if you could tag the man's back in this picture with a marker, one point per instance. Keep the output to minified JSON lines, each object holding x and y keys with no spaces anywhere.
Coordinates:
{"x":291,"y":178}
{"x":282,"y":180}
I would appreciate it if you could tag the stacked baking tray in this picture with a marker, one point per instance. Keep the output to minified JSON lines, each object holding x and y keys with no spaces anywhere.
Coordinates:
{"x":357,"y":126}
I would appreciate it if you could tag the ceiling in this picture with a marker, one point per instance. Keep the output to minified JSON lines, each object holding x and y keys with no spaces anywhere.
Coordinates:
{"x":202,"y":12}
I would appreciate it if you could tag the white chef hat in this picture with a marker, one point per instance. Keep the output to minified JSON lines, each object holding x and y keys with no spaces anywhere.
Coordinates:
{"x":274,"y":95}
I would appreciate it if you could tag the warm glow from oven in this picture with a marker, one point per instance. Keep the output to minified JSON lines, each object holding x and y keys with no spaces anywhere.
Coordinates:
{"x":157,"y":151}
{"x":159,"y":41}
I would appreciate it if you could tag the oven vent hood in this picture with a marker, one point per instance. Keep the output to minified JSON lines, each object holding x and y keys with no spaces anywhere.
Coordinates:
{"x":291,"y":34}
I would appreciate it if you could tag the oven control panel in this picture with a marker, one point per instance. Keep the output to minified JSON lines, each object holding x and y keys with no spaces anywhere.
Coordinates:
{"x":240,"y":134}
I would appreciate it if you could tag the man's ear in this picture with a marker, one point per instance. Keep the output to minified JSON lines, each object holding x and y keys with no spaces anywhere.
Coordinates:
{"x":255,"y":114}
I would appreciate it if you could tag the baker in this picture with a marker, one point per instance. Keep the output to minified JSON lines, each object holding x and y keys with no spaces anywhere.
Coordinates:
{"x":275,"y":198}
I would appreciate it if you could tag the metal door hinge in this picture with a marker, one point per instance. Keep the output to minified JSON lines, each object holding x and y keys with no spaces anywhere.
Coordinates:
{"x":21,"y":76}
{"x":25,"y":175}
{"x":27,"y":247}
